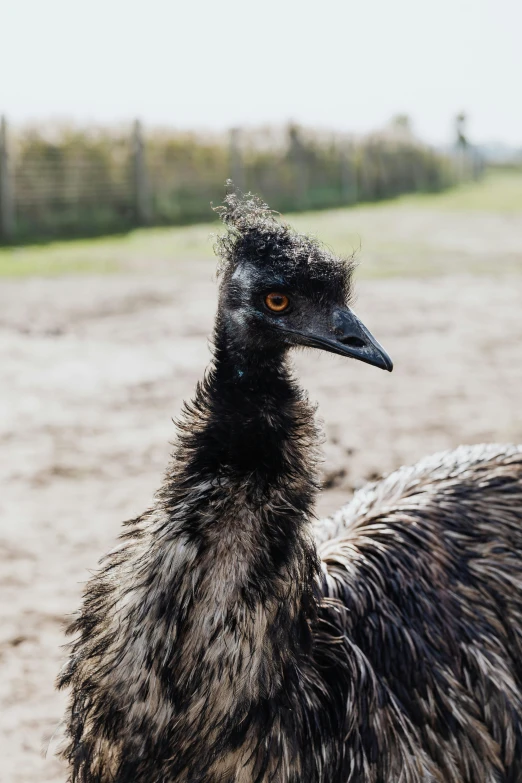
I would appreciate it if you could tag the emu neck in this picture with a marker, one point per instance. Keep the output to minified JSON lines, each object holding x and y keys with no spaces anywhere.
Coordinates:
{"x":242,"y":486}
{"x":259,"y":425}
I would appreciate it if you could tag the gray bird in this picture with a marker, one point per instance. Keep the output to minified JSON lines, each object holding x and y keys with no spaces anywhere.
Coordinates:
{"x":230,"y":638}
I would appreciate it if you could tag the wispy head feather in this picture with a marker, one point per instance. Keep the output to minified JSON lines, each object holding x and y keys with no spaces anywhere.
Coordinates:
{"x":257,"y":234}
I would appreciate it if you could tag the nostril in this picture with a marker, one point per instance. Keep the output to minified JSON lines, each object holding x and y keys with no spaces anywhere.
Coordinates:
{"x":352,"y":342}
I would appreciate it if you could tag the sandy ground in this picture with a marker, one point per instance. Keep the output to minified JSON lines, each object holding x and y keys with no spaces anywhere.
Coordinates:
{"x":94,"y":368}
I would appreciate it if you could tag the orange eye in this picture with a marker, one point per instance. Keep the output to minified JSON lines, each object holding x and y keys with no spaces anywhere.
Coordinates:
{"x":277,"y":302}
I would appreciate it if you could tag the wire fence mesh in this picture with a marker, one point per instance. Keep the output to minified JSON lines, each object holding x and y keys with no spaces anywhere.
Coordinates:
{"x":62,"y":182}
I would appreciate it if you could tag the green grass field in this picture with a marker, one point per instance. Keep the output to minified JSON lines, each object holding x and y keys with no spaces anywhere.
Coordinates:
{"x":476,"y":227}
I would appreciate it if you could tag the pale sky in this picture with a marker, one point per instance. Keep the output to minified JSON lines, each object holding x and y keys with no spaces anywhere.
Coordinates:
{"x":339,"y":64}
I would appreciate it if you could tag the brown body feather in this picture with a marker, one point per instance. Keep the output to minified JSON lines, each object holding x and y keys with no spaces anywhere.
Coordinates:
{"x":427,"y":565}
{"x":228,"y":639}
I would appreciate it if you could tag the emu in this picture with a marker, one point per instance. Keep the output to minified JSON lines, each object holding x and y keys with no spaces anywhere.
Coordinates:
{"x":232,"y":638}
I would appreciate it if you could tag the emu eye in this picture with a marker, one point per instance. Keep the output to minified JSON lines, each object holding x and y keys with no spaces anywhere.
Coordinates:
{"x":277,"y":302}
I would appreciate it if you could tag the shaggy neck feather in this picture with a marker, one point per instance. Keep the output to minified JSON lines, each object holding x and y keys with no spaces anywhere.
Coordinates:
{"x":242,"y":482}
{"x":249,"y":427}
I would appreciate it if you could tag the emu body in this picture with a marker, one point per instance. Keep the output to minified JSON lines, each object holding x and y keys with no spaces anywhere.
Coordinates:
{"x":230,"y":638}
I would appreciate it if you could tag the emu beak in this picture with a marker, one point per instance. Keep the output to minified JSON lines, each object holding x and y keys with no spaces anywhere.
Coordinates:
{"x":348,"y":336}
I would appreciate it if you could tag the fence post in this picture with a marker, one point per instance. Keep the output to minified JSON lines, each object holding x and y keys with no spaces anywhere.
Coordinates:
{"x":7,"y":220}
{"x":348,"y":174}
{"x":297,"y":156}
{"x":141,"y":185}
{"x":236,"y":168}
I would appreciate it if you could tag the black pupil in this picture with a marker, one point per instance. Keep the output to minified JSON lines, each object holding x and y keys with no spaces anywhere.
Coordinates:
{"x":277,"y":300}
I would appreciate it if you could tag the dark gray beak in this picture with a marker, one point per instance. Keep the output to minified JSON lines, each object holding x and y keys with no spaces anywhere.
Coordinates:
{"x":346,"y":335}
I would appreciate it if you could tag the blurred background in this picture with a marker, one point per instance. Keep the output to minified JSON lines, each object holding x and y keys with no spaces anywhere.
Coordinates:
{"x":392,"y":131}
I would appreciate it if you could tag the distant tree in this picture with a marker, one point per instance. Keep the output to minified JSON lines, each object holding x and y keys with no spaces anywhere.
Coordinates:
{"x":400,"y":127}
{"x":460,"y":126}
{"x":403,"y":122}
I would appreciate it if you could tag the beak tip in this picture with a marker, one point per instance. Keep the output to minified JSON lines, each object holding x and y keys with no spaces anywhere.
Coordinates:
{"x":383,"y":360}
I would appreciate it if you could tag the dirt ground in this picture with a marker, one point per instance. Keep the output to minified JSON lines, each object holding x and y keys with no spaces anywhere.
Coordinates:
{"x":93,"y":369}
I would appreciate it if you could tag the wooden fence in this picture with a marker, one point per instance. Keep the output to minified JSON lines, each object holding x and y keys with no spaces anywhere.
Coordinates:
{"x":70,"y":182}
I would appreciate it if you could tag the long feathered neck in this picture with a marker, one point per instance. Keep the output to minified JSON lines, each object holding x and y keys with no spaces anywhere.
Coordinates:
{"x":250,"y":428}
{"x":242,"y":481}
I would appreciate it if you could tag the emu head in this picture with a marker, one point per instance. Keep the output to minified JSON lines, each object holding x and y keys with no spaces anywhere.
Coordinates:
{"x":281,"y":289}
